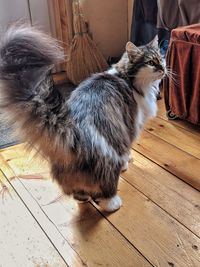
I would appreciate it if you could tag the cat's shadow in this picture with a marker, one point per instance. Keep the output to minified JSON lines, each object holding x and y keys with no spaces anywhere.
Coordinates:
{"x":91,"y":221}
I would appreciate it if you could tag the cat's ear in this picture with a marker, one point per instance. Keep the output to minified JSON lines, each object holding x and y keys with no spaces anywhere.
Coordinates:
{"x":154,"y":43}
{"x":132,"y":50}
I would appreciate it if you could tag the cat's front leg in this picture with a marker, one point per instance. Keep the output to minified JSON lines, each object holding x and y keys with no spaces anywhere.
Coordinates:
{"x":108,"y":199}
{"x":130,"y":157}
{"x":125,"y":166}
{"x":110,"y":204}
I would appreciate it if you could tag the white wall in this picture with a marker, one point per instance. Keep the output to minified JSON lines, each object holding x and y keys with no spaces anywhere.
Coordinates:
{"x":108,"y":21}
{"x":11,"y":11}
{"x":37,"y":13}
{"x":40,"y":14}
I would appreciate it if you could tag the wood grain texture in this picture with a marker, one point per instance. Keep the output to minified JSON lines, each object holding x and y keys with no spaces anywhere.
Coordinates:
{"x":158,"y":224}
{"x":71,"y":257}
{"x":175,"y":135}
{"x":171,"y":194}
{"x":56,"y":21}
{"x":195,"y":129}
{"x":61,"y":19}
{"x":22,"y":241}
{"x":174,"y":160}
{"x":158,"y":236}
{"x":60,"y":77}
{"x":80,"y":226}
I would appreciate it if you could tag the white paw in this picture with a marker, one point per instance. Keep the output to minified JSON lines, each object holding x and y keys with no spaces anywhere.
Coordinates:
{"x":110,"y":204}
{"x":130,"y":157}
{"x":125,"y":166}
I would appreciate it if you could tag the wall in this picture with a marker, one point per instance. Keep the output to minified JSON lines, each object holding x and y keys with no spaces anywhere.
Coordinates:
{"x":108,"y":21}
{"x":35,"y":11}
{"x":40,"y":14}
{"x":11,"y":11}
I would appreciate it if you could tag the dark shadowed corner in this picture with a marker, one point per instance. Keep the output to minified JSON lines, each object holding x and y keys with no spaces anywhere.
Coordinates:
{"x":6,"y":138}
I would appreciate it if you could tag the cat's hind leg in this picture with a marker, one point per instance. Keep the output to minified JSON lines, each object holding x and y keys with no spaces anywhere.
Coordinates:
{"x":81,"y":197}
{"x":110,"y":204}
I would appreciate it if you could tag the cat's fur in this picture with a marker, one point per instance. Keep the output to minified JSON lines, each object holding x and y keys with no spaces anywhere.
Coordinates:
{"x":87,"y":137}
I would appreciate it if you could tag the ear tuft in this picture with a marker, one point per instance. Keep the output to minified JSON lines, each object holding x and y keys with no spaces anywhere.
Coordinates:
{"x":130,"y":47}
{"x":154,"y":43}
{"x":132,"y":50}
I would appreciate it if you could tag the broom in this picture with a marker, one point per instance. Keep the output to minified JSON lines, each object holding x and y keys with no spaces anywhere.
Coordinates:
{"x":84,"y":57}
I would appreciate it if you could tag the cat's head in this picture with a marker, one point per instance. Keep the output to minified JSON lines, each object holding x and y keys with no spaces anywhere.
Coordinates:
{"x":142,"y":65}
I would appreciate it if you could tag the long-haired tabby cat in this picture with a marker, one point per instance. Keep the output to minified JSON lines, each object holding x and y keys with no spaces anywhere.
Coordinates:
{"x":87,"y":137}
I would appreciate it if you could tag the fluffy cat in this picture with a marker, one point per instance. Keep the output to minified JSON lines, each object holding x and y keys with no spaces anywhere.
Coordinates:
{"x":87,"y":137}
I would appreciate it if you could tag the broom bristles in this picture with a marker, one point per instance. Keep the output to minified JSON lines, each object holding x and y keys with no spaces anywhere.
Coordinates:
{"x":84,"y":59}
{"x":84,"y":56}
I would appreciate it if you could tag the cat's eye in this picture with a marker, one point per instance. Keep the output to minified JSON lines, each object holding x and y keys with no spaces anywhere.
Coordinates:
{"x":151,"y":63}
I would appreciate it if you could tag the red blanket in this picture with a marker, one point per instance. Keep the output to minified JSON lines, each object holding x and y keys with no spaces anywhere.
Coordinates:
{"x":182,"y":97}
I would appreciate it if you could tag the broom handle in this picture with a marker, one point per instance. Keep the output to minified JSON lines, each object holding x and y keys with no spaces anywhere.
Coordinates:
{"x":78,"y":20}
{"x":69,"y":18}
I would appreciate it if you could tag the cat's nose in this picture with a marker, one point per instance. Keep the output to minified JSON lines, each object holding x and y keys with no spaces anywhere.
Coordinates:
{"x":159,"y":68}
{"x":161,"y":72}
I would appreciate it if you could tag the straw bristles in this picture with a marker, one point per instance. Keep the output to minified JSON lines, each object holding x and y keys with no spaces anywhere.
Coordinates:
{"x":84,"y":56}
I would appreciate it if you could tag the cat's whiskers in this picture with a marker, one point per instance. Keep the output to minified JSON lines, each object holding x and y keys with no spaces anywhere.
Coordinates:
{"x":173,"y":76}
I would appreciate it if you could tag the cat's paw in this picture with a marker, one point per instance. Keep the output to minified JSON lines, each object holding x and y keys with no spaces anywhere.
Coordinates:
{"x":125,"y":167}
{"x":110,"y":204}
{"x":130,"y":158}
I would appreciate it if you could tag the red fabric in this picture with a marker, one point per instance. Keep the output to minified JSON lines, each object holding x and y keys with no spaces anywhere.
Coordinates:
{"x":183,"y":96}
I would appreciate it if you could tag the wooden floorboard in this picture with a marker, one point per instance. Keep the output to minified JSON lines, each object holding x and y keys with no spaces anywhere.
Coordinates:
{"x":159,"y":222}
{"x":22,"y":241}
{"x":176,"y":136}
{"x":171,"y":194}
{"x":154,"y":232}
{"x":171,"y":158}
{"x":71,"y":257}
{"x":81,"y":227}
{"x":195,"y":129}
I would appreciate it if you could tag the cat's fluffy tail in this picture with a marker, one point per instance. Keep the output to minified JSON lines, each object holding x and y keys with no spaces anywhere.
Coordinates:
{"x":26,"y":91}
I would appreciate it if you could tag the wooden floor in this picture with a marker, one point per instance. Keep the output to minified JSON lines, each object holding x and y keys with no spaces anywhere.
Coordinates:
{"x":158,"y":225}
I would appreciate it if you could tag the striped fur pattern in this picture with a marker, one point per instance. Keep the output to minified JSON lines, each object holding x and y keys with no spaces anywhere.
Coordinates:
{"x":87,"y":137}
